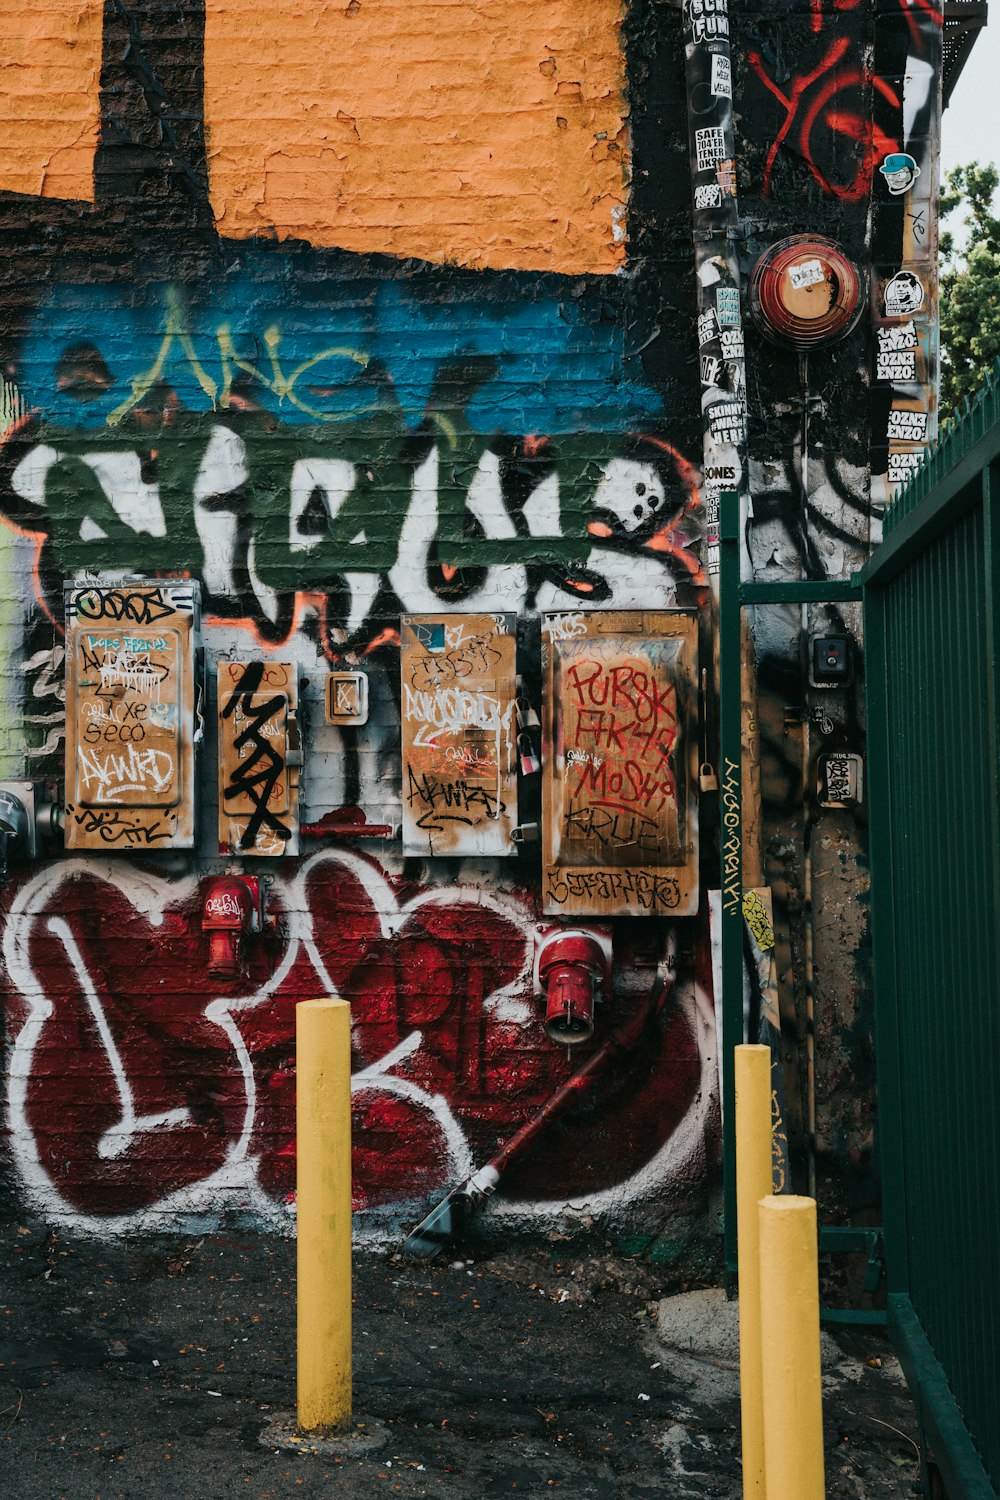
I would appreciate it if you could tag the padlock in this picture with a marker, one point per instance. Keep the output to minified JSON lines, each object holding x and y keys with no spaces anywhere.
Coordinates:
{"x":707,"y":779}
{"x":530,"y":764}
{"x":525,"y":833}
{"x":527,"y":718}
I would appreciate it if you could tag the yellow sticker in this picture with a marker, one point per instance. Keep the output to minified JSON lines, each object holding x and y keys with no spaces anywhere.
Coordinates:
{"x":758,"y":921}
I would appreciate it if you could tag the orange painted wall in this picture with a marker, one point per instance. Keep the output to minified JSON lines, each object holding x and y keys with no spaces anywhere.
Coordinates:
{"x":477,"y":132}
{"x":50,"y":69}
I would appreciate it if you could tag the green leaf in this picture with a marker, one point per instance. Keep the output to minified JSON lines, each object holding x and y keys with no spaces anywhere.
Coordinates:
{"x":969,"y":287}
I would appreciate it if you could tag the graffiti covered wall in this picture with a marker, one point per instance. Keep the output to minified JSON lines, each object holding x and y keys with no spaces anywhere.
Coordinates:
{"x":329,"y":320}
{"x":381,"y":332}
{"x":139,"y":1093}
{"x":847,"y":100}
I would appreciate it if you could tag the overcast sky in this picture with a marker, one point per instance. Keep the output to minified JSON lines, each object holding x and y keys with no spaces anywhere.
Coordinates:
{"x":970,"y":126}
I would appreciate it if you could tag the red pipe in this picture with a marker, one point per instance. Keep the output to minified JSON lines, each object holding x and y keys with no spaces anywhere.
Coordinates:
{"x":346,"y":823}
{"x":447,"y":1222}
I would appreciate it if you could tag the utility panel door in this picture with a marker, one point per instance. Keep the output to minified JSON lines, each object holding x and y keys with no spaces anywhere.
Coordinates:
{"x":619,"y":809}
{"x":459,"y":733}
{"x":258,"y":758}
{"x":130,"y":651}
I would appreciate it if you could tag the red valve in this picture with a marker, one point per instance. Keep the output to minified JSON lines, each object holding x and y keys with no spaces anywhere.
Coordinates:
{"x":230,"y":911}
{"x":572,"y":971}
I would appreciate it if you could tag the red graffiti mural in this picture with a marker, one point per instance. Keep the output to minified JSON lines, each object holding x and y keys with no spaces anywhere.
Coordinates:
{"x":824,"y":107}
{"x":134,"y":1084}
{"x":820,"y":8}
{"x":914,"y":12}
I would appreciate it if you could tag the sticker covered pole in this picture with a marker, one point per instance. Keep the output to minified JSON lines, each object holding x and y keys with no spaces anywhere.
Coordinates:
{"x":716,"y":234}
{"x":323,"y":1182}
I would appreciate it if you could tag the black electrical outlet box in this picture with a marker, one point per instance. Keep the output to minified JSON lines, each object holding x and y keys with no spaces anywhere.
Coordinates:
{"x":830,"y":661}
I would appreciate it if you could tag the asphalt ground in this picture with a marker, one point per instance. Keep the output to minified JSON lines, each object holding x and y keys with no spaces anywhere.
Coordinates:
{"x":162,"y":1368}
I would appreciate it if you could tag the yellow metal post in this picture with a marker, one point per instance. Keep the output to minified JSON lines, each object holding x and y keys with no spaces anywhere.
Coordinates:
{"x":753,"y":1181}
{"x":323,"y":1182}
{"x":793,"y":1399}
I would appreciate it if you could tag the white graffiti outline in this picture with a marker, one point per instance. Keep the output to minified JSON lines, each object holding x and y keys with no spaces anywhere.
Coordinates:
{"x":151,"y":897}
{"x":236,"y":1180}
{"x":683,"y":1150}
{"x":117,"y":1138}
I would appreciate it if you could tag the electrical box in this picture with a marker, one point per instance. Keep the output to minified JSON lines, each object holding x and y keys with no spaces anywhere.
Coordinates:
{"x":130,"y":715}
{"x":620,"y":763}
{"x":459,"y":733}
{"x":830,"y":661}
{"x":259,"y":758}
{"x":346,"y":698}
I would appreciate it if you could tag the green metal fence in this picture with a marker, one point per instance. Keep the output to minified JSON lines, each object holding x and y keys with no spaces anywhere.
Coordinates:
{"x":932,"y":632}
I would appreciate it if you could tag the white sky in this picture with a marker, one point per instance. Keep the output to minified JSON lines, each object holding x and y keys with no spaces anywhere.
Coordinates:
{"x":970,"y":126}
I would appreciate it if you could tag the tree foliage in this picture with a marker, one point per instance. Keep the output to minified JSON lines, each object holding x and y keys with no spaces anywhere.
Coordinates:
{"x":970,"y":285}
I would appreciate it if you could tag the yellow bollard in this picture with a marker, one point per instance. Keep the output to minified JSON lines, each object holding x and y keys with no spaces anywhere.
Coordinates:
{"x":793,"y":1398}
{"x":323,"y":1183}
{"x":753,"y":1181}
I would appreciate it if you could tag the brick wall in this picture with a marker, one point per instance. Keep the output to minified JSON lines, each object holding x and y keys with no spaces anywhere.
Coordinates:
{"x":357,"y":310}
{"x":325,"y":312}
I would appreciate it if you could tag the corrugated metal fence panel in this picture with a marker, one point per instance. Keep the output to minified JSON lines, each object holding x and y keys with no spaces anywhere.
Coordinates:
{"x":937,"y":911}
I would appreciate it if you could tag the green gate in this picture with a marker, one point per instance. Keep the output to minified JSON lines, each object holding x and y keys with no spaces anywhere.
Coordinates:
{"x":932,"y":655}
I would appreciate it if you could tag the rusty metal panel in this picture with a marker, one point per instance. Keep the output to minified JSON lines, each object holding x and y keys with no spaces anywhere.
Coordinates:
{"x":459,"y":732}
{"x":619,"y":807}
{"x":130,"y":689}
{"x":259,"y":758}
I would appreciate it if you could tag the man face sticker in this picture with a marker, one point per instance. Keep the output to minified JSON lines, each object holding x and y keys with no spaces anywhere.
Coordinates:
{"x":903,"y":294}
{"x":900,"y":172}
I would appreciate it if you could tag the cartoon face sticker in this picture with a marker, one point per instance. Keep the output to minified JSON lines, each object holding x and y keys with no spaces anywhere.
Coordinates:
{"x":903,"y":294}
{"x":900,"y":172}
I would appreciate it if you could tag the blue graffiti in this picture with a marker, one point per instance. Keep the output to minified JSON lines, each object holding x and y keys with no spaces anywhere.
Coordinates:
{"x":516,"y":354}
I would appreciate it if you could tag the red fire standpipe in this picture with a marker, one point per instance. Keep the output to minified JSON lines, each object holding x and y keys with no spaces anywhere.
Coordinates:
{"x":573,"y":970}
{"x":229,"y":904}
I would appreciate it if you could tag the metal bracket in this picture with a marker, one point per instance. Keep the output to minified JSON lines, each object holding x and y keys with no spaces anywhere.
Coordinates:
{"x":842,"y":1239}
